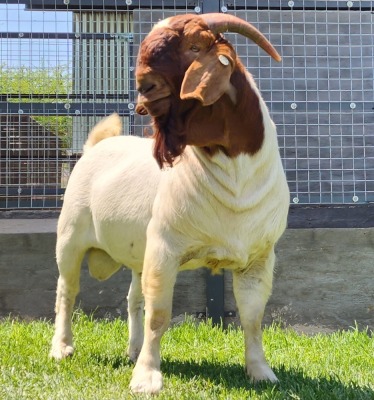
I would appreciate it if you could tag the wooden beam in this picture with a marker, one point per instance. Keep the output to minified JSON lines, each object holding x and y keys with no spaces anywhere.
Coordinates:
{"x":331,"y":216}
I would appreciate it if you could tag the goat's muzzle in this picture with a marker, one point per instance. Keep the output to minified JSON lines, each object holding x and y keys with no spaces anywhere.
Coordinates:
{"x":155,"y":108}
{"x":153,"y":97}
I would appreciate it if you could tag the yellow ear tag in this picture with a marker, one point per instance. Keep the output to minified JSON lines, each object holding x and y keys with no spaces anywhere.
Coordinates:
{"x":223,"y":60}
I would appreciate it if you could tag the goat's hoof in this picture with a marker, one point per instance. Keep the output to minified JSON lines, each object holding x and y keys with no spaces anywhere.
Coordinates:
{"x":59,"y":352}
{"x":258,"y":372}
{"x":146,"y":381}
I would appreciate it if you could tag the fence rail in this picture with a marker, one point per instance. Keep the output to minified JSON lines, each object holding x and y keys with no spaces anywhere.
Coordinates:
{"x":61,"y":72}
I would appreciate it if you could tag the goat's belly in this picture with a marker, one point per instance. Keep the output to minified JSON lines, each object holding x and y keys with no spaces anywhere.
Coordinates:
{"x":213,"y":264}
{"x":124,"y":241}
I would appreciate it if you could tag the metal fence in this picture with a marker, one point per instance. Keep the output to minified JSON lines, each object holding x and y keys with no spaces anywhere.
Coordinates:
{"x":66,"y":63}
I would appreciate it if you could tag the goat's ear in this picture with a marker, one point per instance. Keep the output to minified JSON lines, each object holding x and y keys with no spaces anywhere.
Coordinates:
{"x":208,"y":78}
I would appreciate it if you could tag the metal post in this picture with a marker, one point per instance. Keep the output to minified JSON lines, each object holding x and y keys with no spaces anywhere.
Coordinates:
{"x":215,"y":297}
{"x":215,"y":301}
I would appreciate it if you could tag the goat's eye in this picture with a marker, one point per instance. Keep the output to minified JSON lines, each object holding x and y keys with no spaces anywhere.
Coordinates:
{"x":195,"y":48}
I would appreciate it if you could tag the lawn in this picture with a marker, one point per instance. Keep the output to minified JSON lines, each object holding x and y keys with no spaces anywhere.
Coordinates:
{"x":198,"y":361}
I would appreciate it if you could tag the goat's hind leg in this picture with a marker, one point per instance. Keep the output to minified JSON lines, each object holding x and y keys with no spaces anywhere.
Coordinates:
{"x":69,"y":259}
{"x":135,"y":316}
{"x":252,"y":290}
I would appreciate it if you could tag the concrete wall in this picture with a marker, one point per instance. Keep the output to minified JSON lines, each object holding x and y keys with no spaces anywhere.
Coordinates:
{"x":324,"y":278}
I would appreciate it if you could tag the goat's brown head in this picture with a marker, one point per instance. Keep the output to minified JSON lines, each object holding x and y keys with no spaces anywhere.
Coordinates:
{"x":185,"y":65}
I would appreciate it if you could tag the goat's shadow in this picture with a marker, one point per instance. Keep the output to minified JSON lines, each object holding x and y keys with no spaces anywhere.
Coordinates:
{"x":233,"y":376}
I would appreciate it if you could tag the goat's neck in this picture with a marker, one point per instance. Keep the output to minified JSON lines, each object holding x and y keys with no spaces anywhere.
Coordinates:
{"x":231,"y":128}
{"x":231,"y":181}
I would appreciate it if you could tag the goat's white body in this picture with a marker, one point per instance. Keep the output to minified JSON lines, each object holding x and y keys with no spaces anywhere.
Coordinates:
{"x":219,"y":211}
{"x":224,"y":210}
{"x":215,"y":210}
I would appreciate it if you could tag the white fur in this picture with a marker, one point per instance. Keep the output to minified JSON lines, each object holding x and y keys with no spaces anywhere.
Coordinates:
{"x":216,"y":211}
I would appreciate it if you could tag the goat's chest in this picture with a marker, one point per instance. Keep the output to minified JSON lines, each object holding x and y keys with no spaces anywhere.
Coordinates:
{"x":224,"y":217}
{"x":224,"y":239}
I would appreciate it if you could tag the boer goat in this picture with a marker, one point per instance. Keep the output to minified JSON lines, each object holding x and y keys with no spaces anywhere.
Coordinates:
{"x":221,"y":202}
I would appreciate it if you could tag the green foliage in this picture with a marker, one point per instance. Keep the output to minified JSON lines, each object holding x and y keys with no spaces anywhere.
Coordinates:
{"x":27,"y":82}
{"x":198,"y":362}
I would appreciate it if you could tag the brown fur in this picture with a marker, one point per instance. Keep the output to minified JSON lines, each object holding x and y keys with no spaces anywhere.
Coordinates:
{"x":221,"y":126}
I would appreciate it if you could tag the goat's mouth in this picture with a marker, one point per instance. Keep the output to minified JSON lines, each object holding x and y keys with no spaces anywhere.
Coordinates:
{"x":155,"y":108}
{"x":154,"y":95}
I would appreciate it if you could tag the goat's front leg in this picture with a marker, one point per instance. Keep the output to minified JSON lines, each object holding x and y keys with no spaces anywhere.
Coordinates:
{"x":158,"y":280}
{"x":135,"y":319}
{"x":252,"y":290}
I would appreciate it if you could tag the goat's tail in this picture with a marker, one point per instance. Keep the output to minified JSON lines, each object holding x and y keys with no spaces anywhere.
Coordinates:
{"x":106,"y":128}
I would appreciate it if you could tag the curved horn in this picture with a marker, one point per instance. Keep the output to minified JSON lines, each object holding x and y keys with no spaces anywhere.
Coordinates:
{"x":219,"y":23}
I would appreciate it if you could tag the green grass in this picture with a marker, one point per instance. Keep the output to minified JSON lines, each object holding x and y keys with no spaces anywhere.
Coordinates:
{"x":198,"y":362}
